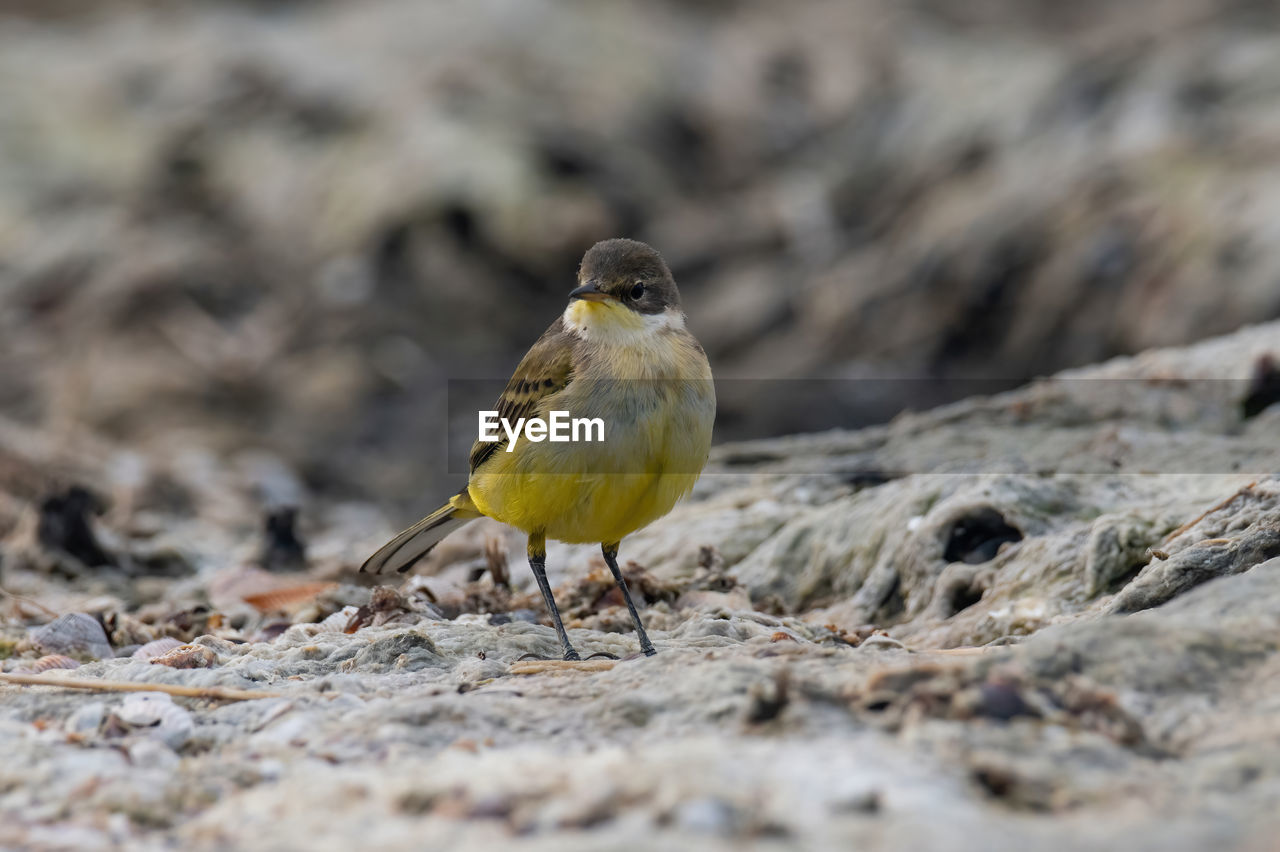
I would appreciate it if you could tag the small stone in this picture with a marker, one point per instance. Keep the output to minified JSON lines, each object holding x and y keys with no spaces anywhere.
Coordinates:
{"x":707,"y":816}
{"x":87,"y":718}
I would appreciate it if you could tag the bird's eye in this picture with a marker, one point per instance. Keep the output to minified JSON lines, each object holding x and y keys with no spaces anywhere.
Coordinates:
{"x":638,"y":290}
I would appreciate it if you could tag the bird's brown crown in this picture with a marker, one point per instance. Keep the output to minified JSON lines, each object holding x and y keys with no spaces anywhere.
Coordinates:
{"x":631,"y":272}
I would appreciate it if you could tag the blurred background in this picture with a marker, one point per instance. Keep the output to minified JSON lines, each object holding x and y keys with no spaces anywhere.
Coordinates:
{"x":276,"y":231}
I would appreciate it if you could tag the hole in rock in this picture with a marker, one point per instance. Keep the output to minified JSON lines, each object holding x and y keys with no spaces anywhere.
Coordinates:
{"x":747,"y":458}
{"x":559,"y":158}
{"x":64,"y":525}
{"x":1264,"y":387}
{"x":866,"y":478}
{"x":282,"y":550}
{"x":460,"y":222}
{"x":977,"y":537}
{"x":1119,"y":582}
{"x":997,"y":782}
{"x":963,"y":595}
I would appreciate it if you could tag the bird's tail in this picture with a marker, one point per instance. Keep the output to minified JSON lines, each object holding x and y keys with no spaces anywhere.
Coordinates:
{"x":416,"y":542}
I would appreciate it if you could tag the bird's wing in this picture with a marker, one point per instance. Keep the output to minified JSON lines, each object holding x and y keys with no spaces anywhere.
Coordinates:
{"x":546,"y":368}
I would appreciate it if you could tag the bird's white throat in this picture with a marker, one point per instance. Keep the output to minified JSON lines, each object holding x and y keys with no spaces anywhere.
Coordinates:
{"x":612,"y":322}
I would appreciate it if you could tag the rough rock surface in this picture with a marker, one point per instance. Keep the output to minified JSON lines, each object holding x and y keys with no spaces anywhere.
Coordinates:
{"x":1044,"y":619}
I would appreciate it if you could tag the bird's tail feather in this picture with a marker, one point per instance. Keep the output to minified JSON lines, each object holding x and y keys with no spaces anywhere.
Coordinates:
{"x":416,"y":542}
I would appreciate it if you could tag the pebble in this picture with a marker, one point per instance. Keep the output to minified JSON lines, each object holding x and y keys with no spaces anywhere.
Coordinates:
{"x":706,"y":816}
{"x":87,"y":719}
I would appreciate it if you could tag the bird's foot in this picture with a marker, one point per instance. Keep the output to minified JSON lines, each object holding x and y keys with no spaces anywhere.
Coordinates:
{"x":571,"y":655}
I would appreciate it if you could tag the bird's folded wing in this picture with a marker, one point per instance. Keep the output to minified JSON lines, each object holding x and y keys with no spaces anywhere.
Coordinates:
{"x":546,"y":368}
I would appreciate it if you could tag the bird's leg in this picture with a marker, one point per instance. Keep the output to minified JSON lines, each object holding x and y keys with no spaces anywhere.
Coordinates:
{"x":538,"y":562}
{"x":611,"y":558}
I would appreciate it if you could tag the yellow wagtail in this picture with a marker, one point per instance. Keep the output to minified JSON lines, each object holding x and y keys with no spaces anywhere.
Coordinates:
{"x":619,"y":353}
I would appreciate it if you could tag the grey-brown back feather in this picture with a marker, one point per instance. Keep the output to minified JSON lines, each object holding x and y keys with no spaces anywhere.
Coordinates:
{"x":546,"y":368}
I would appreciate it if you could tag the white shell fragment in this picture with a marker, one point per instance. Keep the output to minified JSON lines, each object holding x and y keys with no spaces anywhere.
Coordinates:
{"x":337,"y":623}
{"x":157,"y":648}
{"x":153,"y":714}
{"x":51,"y":662}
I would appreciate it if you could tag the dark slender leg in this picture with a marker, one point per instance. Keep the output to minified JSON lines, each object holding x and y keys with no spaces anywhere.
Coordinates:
{"x":611,"y":557}
{"x":538,"y":562}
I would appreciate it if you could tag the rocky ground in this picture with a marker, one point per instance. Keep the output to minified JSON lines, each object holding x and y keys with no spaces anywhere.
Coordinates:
{"x":1044,"y":619}
{"x":246,"y":247}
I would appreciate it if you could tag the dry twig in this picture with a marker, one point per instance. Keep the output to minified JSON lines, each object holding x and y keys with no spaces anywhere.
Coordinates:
{"x":28,"y":601}
{"x":530,"y":667}
{"x":1207,"y":512}
{"x":212,"y":693}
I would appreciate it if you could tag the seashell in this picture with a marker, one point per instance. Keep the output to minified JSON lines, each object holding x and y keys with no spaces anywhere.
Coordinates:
{"x":124,"y":629}
{"x":288,"y":598}
{"x":153,"y":714}
{"x":337,"y":623}
{"x":385,"y":605}
{"x":219,"y":645}
{"x":271,"y":632}
{"x":54,"y":661}
{"x":187,"y":657}
{"x":157,"y":648}
{"x":190,"y":622}
{"x":73,"y":633}
{"x":48,"y":663}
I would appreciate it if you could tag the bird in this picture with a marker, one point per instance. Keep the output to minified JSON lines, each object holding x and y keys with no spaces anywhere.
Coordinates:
{"x":619,"y":352}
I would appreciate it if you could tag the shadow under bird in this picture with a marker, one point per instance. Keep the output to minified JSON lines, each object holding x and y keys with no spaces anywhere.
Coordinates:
{"x":620,"y":353}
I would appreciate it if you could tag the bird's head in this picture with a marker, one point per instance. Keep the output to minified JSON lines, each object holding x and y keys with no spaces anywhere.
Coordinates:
{"x":626,"y":275}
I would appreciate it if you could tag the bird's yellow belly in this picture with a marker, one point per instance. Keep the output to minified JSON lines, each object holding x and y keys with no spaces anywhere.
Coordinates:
{"x":590,"y":508}
{"x":582,"y":492}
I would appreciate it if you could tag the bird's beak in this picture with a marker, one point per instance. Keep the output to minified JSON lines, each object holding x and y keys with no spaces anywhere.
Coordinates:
{"x":589,"y":292}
